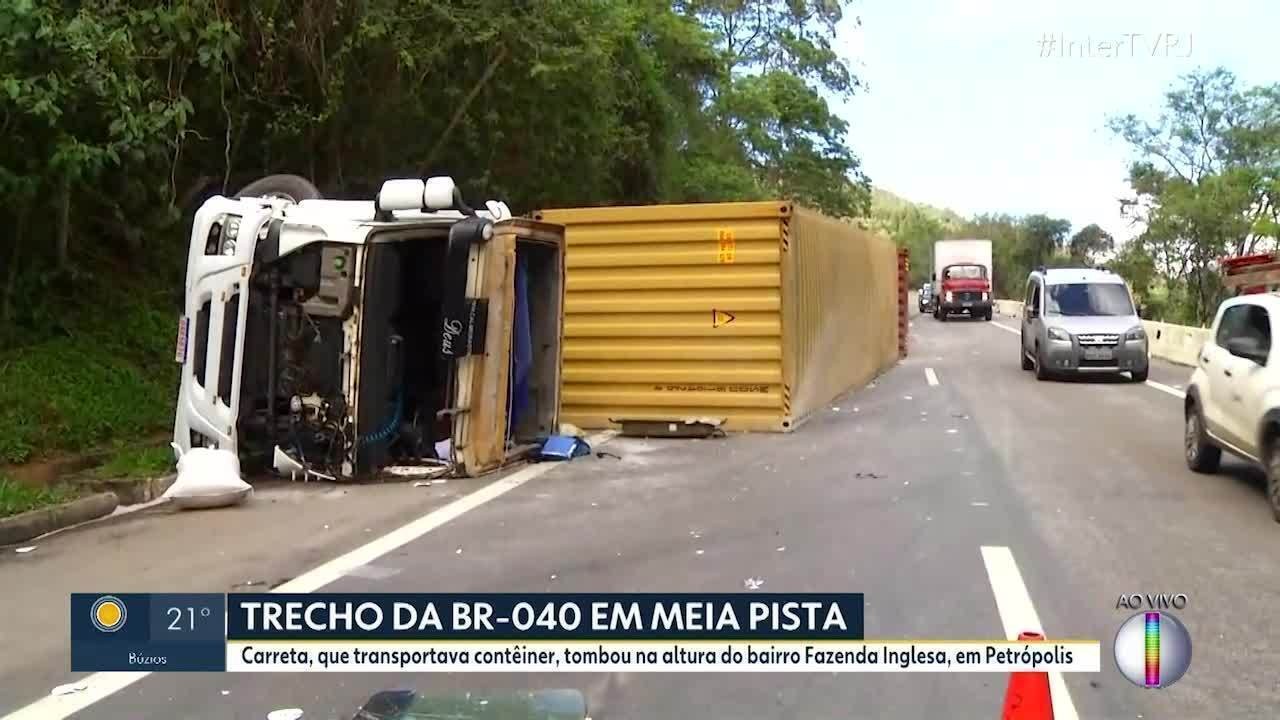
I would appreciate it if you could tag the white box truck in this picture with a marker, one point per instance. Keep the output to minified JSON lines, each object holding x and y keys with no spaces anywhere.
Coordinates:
{"x":962,"y":278}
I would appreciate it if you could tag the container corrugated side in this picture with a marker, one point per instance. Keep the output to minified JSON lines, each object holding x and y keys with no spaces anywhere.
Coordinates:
{"x":840,"y":314}
{"x":672,"y":312}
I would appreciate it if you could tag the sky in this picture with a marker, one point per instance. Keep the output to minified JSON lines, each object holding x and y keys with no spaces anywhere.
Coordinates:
{"x":1001,"y":105}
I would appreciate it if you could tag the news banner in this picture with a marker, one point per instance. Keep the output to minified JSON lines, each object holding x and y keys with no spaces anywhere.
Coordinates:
{"x":521,"y":633}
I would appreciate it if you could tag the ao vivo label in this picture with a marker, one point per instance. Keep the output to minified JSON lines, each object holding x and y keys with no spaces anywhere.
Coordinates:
{"x":1152,"y":601}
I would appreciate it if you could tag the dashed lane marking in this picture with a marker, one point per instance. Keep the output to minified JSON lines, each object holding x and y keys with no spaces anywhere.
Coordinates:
{"x":931,"y":377}
{"x":1166,"y":389}
{"x":1018,"y":615}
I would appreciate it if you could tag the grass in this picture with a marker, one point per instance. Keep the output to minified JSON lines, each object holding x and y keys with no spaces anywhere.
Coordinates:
{"x":17,"y":498}
{"x":104,"y":375}
{"x":138,"y":461}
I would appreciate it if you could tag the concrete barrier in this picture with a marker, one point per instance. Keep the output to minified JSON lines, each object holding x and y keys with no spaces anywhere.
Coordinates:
{"x":1009,"y":308}
{"x":1176,"y":343}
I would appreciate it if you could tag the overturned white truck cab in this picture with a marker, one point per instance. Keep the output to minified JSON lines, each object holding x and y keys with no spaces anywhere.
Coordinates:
{"x":334,"y":338}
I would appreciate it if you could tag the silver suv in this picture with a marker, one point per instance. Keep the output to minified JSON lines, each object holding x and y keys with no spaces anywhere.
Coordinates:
{"x":1081,"y":321}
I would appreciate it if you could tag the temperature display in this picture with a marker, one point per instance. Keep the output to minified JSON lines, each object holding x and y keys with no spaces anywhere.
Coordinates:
{"x":126,"y":631}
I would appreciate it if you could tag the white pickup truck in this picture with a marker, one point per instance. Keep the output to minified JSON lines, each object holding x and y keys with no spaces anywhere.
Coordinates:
{"x":1233,"y":399}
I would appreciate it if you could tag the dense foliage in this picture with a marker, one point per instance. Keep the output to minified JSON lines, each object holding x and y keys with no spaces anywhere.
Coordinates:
{"x":121,"y":116}
{"x":1206,"y":185}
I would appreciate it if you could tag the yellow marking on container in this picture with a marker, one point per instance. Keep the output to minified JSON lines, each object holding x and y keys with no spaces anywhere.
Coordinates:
{"x":720,"y":318}
{"x":728,"y":246}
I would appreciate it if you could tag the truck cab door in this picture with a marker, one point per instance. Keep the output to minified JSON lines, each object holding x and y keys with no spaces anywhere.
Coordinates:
{"x":210,"y":342}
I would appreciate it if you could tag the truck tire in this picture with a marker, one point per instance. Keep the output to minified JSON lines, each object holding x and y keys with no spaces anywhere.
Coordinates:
{"x":290,"y":187}
{"x":988,"y":315}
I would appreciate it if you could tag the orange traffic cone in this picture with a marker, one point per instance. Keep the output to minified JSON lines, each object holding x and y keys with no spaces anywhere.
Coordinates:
{"x":1028,"y":695}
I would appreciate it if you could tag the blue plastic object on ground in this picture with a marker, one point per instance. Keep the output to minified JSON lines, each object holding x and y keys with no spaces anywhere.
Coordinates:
{"x":563,"y":447}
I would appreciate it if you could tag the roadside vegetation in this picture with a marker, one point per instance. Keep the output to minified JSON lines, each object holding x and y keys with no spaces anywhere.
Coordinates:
{"x":1204,"y":182}
{"x":16,"y":498}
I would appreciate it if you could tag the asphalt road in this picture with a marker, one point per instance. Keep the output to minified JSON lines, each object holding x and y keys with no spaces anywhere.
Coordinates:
{"x":893,"y":491}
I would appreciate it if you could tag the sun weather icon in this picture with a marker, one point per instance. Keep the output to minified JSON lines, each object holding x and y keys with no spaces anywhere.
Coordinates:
{"x":1153,"y":649}
{"x":108,"y":613}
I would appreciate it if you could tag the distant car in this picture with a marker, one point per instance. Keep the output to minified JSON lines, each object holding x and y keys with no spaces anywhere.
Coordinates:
{"x":1233,"y":400}
{"x":1081,"y":321}
{"x":925,"y":298}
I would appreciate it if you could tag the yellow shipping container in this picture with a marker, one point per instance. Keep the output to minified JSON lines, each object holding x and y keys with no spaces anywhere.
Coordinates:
{"x":758,"y":313}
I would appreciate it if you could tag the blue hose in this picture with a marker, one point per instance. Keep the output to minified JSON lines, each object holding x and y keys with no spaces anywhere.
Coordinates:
{"x":387,"y":430}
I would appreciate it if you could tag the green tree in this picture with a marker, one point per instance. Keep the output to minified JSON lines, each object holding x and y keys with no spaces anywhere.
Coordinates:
{"x":1043,"y":239}
{"x":1205,"y":179}
{"x":1090,"y":243}
{"x":1134,"y":263}
{"x":768,"y":106}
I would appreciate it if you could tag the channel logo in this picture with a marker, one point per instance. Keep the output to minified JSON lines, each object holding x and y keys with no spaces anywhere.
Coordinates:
{"x":1153,"y":649}
{"x":108,"y":613}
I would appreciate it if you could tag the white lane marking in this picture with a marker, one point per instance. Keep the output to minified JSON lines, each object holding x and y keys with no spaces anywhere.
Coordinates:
{"x":1165,"y":388}
{"x":1017,"y":614}
{"x":979,"y":504}
{"x":102,"y":685}
{"x":1005,"y":328}
{"x":931,"y":376}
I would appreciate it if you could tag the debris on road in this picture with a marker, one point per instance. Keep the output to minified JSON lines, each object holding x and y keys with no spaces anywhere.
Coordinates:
{"x":285,"y":714}
{"x":563,"y":447}
{"x":69,"y":688}
{"x":961,"y":416}
{"x":870,"y":475}
{"x":207,"y":478}
{"x":417,"y":471}
{"x":25,"y":549}
{"x":692,"y":427}
{"x":458,"y":551}
{"x":753,"y":583}
{"x":605,"y":454}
